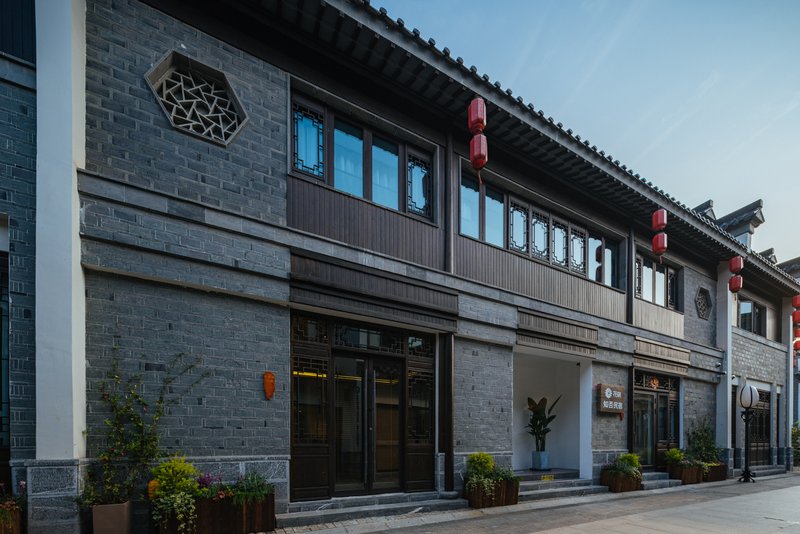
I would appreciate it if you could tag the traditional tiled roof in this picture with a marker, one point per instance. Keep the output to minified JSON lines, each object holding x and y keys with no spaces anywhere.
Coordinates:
{"x":751,"y":214}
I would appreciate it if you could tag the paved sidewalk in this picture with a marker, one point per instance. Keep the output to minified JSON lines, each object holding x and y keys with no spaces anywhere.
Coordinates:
{"x":770,"y":505}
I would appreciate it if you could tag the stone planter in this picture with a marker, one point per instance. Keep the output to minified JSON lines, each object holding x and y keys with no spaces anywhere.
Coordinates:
{"x":540,"y":460}
{"x":111,"y":518}
{"x":716,"y":473}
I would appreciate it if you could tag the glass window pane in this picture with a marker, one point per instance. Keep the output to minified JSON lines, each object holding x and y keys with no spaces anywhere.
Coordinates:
{"x":495,"y":221}
{"x":419,"y":187}
{"x":309,"y":400}
{"x":758,"y":322}
{"x":470,"y":210}
{"x":672,"y":288}
{"x":308,"y":145}
{"x":559,"y":244}
{"x":540,"y":235}
{"x":661,"y":285}
{"x":385,"y":182}
{"x":647,"y":280}
{"x":746,"y":315}
{"x":610,"y":261}
{"x":348,"y":152}
{"x":596,"y":259}
{"x":577,"y":252}
{"x":518,"y":239}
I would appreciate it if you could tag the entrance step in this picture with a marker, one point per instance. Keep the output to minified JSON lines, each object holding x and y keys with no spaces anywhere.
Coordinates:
{"x":763,"y":470}
{"x":551,"y":474}
{"x":344,"y":508}
{"x":657,"y":480}
{"x":536,"y":485}
{"x":580,"y":487}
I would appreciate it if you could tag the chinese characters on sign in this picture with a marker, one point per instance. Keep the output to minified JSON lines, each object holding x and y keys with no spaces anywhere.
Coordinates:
{"x":611,"y":399}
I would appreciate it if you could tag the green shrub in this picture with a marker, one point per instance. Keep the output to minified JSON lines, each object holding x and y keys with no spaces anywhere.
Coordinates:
{"x":479,"y":464}
{"x":627,"y":465}
{"x":796,"y":442}
{"x":702,"y":445}
{"x":630,"y":459}
{"x":172,"y":491}
{"x":253,"y":487}
{"x":674,"y":456}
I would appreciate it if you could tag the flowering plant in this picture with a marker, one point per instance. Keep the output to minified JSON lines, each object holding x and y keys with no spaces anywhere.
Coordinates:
{"x":172,"y":492}
{"x":11,"y":504}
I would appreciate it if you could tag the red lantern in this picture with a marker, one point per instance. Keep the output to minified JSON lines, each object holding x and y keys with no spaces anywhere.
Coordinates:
{"x":736,"y":264}
{"x":796,"y":317}
{"x":735,"y":283}
{"x":659,"y":220}
{"x":797,"y":345}
{"x":478,"y":151}
{"x":796,"y":301}
{"x":797,"y":333}
{"x":476,"y":113}
{"x":660,"y":243}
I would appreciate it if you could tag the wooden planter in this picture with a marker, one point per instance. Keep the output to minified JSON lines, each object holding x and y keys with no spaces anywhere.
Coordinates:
{"x":618,"y":483}
{"x":215,"y":516}
{"x":687,"y":475}
{"x":255,"y":516}
{"x":511,"y":491}
{"x":223,"y":517}
{"x":505,"y":492}
{"x":14,"y":525}
{"x":111,"y":518}
{"x":716,"y":473}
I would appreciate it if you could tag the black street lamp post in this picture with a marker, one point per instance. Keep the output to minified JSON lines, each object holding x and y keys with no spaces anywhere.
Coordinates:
{"x":748,"y":397}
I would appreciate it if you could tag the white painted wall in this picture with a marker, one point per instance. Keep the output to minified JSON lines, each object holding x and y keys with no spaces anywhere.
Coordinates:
{"x":539,"y":377}
{"x":60,"y":303}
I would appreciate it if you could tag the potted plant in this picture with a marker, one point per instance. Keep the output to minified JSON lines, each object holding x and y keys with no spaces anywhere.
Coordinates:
{"x":703,"y":448}
{"x":682,"y":468}
{"x":172,"y":493}
{"x":488,"y":485}
{"x":624,"y":474}
{"x":11,"y":508}
{"x":508,"y":485}
{"x":131,"y":444}
{"x":539,"y":427}
{"x":215,"y":509}
{"x":254,"y":499}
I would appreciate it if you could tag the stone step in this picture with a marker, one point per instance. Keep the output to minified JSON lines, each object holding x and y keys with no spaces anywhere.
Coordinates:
{"x":660,"y":483}
{"x":338,"y":503}
{"x":315,"y":517}
{"x":762,"y":470}
{"x":654,"y":475}
{"x":552,"y":474}
{"x":561,"y":492}
{"x":534,"y":485}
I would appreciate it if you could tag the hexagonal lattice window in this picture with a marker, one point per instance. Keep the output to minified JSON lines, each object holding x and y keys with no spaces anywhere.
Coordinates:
{"x":196,"y":98}
{"x":703,"y":303}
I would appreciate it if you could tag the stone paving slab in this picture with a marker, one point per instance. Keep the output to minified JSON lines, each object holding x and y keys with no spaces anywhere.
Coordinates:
{"x":624,"y":508}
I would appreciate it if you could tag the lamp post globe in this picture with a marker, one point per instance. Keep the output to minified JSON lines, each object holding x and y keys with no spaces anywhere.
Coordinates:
{"x":747,"y":398}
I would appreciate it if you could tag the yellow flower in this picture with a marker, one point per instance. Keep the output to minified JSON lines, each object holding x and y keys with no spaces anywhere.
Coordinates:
{"x":152,"y":489}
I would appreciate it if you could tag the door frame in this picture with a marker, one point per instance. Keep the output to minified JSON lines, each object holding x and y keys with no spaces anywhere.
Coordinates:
{"x":644,"y":381}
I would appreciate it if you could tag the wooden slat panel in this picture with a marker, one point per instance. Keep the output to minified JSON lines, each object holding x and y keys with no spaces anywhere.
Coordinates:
{"x":323,"y":211}
{"x":657,"y":318}
{"x":510,"y":271}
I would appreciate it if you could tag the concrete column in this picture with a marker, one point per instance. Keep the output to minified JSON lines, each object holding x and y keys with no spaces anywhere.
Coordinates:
{"x":60,"y":303}
{"x":724,"y":313}
{"x":585,"y":418}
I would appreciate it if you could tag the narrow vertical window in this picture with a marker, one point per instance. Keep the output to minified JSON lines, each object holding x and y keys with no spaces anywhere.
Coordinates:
{"x":596,"y":259}
{"x":385,"y":179}
{"x":672,"y":289}
{"x":540,"y":235}
{"x":746,"y":315}
{"x":647,"y":280}
{"x":495,"y":217}
{"x":470,"y":208}
{"x":661,"y":285}
{"x":309,"y":151}
{"x":577,"y":252}
{"x":518,"y":235}
{"x":560,"y":244}
{"x":639,"y":276}
{"x":610,"y":265}
{"x":419,"y":187}
{"x":348,"y":153}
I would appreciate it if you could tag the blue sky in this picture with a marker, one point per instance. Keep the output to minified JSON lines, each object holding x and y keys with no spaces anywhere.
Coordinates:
{"x":700,"y":97}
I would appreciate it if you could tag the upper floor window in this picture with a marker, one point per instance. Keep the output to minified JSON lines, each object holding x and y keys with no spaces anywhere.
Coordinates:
{"x":18,"y":29}
{"x":656,"y":282}
{"x":490,"y":215}
{"x":752,"y":317}
{"x":360,"y":161}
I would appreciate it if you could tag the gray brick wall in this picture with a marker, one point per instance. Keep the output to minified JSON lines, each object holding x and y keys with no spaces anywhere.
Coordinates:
{"x":699,"y":405}
{"x":482,"y":397}
{"x":757,"y":358}
{"x":128,"y":137}
{"x":145,"y":325}
{"x":703,"y":331}
{"x":608,"y":431}
{"x":18,"y":202}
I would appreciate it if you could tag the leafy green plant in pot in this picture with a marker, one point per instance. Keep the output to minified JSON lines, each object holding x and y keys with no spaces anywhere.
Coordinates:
{"x":172,"y":493}
{"x":624,"y":474}
{"x":539,"y":427}
{"x":703,"y":448}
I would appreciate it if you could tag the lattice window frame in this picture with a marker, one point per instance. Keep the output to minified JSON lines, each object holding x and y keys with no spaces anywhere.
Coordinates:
{"x":703,"y":303}
{"x":220,"y":128}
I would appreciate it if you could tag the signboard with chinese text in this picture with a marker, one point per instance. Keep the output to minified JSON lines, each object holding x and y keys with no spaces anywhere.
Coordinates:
{"x":610,"y":399}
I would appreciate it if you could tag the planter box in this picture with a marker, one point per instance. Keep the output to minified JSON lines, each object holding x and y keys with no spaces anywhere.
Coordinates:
{"x":14,"y":526}
{"x":215,"y":516}
{"x":511,"y":491}
{"x":687,"y":475}
{"x":618,"y":483}
{"x":111,"y":518}
{"x":716,"y":473}
{"x":223,"y":517}
{"x":255,"y":516}
{"x":505,"y":492}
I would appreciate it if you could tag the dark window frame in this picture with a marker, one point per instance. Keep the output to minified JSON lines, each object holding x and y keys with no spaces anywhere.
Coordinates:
{"x":533,"y":211}
{"x":671,"y":282}
{"x":758,"y":321}
{"x":405,"y":151}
